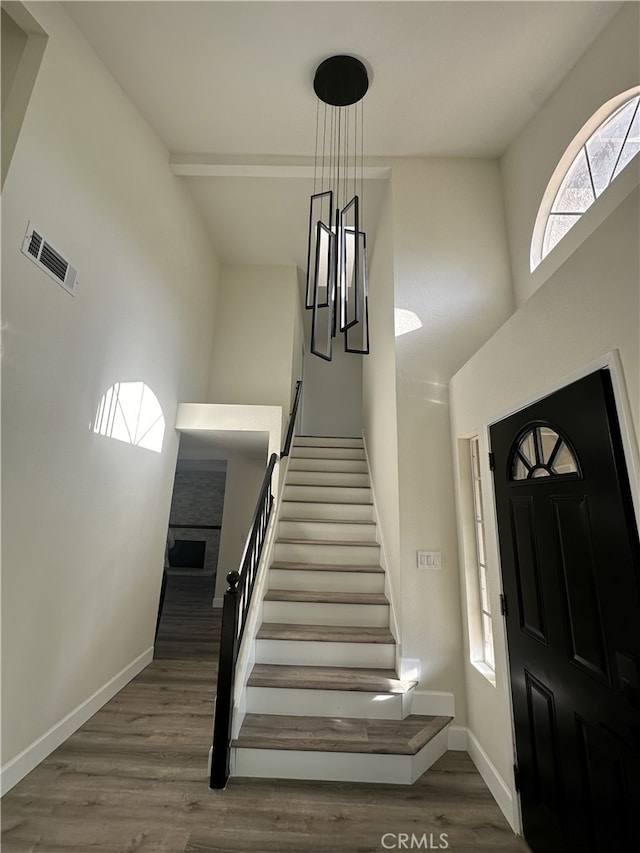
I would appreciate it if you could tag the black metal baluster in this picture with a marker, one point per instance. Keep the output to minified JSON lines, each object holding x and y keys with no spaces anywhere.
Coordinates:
{"x":226,"y":674}
{"x":235,"y":611}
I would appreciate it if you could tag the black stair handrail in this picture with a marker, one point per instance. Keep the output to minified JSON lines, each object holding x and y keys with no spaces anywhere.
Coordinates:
{"x":235,"y":609}
{"x":292,"y":419}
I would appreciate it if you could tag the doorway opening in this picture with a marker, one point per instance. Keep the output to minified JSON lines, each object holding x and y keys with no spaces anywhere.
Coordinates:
{"x":570,"y":566}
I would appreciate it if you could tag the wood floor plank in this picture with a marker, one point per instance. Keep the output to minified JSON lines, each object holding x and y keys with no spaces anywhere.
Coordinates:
{"x":133,"y":778}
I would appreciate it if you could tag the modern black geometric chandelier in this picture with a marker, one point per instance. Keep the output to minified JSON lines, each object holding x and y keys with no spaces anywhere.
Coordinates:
{"x":337,"y":289}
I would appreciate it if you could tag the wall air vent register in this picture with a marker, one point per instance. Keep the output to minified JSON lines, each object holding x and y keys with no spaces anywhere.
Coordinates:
{"x":42,"y":253}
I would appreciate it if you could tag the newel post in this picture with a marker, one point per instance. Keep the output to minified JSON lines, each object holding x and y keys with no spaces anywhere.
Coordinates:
{"x":224,"y":695}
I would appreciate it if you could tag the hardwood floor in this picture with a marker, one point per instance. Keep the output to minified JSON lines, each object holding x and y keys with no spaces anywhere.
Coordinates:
{"x":133,"y":778}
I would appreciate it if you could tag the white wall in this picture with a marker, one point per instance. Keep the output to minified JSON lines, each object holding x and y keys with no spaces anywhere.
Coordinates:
{"x":608,"y":67}
{"x":256,"y":342}
{"x":85,"y":516}
{"x":590,"y":307}
{"x":244,"y":479}
{"x":332,"y":403}
{"x":451,"y":268}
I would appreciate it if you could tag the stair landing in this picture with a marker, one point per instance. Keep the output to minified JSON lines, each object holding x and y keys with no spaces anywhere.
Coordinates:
{"x":326,"y":734}
{"x":339,"y":749}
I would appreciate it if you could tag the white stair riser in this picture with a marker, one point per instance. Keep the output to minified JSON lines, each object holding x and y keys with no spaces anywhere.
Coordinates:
{"x":325,"y":703}
{"x":339,"y":555}
{"x":338,"y":766}
{"x":326,"y":654}
{"x":353,"y":466}
{"x":324,"y":613}
{"x":300,"y":452}
{"x":326,"y":478}
{"x":325,"y":441}
{"x":336,"y":494}
{"x":325,"y":581}
{"x":324,"y":530}
{"x":346,"y":512}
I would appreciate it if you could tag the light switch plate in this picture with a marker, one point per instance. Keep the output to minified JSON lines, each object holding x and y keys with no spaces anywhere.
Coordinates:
{"x":429,"y":559}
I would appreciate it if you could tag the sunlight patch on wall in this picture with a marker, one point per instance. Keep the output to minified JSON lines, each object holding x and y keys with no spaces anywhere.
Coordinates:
{"x":406,"y":321}
{"x":130,"y":412}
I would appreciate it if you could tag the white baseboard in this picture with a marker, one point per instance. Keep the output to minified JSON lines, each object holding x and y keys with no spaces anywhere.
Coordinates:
{"x":458,"y":740}
{"x":216,"y":604}
{"x":506,"y":800}
{"x":17,"y":768}
{"x":433,"y":702}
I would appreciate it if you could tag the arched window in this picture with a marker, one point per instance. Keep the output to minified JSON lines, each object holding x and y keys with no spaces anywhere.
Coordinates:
{"x":541,"y":451}
{"x":605,"y":145}
{"x":130,"y":412}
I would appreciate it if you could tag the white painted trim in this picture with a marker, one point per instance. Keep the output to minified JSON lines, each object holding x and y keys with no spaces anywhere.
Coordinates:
{"x":216,"y":604}
{"x":298,"y":170}
{"x":458,"y":740}
{"x":17,"y":768}
{"x":504,"y":796}
{"x":433,"y":702}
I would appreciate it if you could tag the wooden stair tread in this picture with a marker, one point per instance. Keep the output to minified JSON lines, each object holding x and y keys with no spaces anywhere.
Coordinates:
{"x":324,"y":567}
{"x":309,"y":501}
{"x":326,"y":597}
{"x":327,"y":520}
{"x":326,"y":486}
{"x":324,"y":633}
{"x":353,"y":679}
{"x":339,"y":734}
{"x":299,"y":458}
{"x":366,"y":542}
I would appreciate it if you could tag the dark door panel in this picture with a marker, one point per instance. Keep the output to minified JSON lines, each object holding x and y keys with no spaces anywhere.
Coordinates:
{"x":569,"y":558}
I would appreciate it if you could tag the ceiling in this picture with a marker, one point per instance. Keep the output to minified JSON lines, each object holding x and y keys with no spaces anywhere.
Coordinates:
{"x":227,"y":86}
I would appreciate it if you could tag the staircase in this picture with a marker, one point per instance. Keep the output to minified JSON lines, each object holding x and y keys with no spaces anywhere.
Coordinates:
{"x":324,"y":700}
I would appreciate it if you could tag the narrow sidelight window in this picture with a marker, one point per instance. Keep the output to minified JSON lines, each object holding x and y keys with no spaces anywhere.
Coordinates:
{"x":488,"y":658}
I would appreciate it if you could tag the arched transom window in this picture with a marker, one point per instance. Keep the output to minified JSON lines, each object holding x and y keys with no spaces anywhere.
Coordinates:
{"x":541,"y":451}
{"x":597,"y":155}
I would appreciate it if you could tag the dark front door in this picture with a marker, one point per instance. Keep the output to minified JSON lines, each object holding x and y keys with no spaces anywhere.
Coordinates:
{"x":571,"y":579}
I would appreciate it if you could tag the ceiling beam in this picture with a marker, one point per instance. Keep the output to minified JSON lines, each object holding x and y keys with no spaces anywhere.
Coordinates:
{"x":257,"y":167}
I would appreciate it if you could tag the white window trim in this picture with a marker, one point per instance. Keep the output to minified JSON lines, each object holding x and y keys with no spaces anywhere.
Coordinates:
{"x":475,"y":629}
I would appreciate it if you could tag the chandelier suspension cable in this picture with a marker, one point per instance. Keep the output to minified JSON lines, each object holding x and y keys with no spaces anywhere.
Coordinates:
{"x":315,"y":155}
{"x":362,"y":228}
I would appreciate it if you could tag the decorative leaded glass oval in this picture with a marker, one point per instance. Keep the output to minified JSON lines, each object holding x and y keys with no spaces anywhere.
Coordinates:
{"x":542,"y":452}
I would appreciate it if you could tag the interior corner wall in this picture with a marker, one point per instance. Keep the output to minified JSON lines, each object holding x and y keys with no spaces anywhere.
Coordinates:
{"x":252,"y":360}
{"x":611,"y":65}
{"x":451,"y":269}
{"x":242,"y":488}
{"x":590,"y":307}
{"x":84,"y":516}
{"x":379,"y":401}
